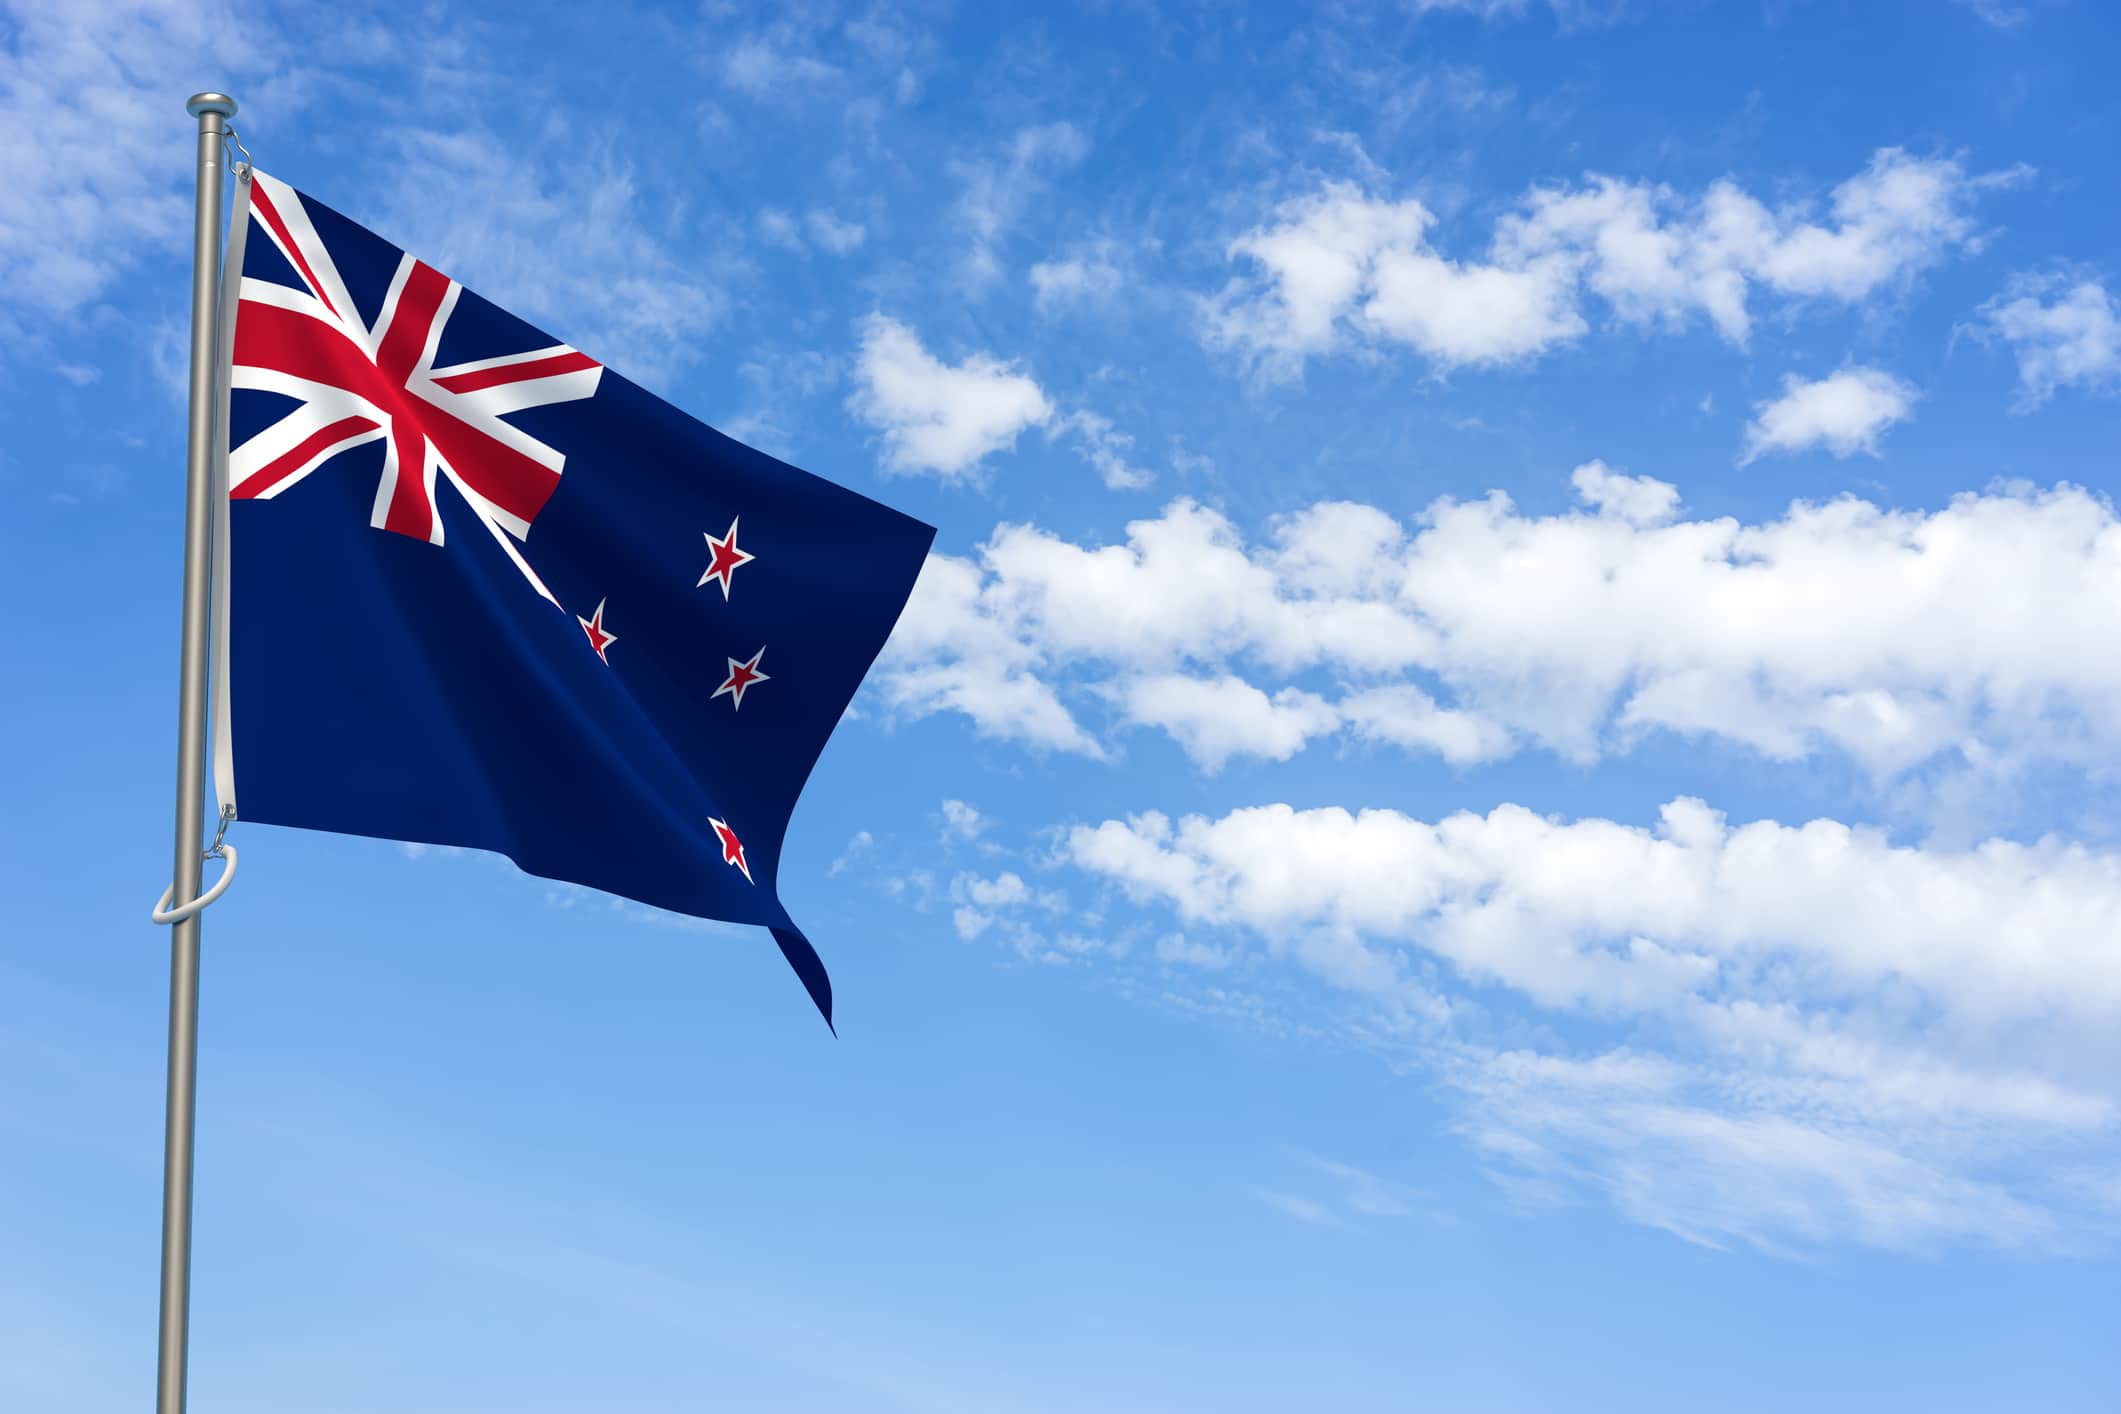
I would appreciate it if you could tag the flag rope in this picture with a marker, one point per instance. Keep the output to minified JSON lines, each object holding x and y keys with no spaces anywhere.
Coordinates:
{"x":163,"y":913}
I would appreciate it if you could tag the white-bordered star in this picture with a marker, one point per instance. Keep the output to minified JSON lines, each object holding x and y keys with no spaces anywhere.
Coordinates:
{"x":599,"y":639}
{"x":732,"y":847}
{"x":742,"y":676}
{"x":727,"y":557}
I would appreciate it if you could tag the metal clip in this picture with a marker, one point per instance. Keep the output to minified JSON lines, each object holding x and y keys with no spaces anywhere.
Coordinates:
{"x":220,"y":850}
{"x":217,"y":850}
{"x":239,"y":169}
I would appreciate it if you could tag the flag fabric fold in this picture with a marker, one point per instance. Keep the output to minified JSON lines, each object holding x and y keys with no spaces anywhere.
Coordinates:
{"x":477,"y":589}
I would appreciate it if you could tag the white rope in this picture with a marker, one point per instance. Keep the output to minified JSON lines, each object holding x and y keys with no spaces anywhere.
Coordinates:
{"x":165,"y":914}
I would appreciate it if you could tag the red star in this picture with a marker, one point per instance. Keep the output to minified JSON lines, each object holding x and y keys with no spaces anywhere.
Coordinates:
{"x":726,"y":559}
{"x":742,"y":676}
{"x":594,"y":627}
{"x":732,"y":847}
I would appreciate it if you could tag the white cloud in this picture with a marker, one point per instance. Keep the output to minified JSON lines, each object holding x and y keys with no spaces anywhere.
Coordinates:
{"x":2069,"y":341}
{"x":107,"y":182}
{"x":827,"y":231}
{"x":1801,"y":1033}
{"x":1104,"y":447}
{"x":939,"y":417}
{"x":1004,"y":906}
{"x":1845,"y":412}
{"x":1669,"y":1149}
{"x":1891,"y":637}
{"x":860,"y":844}
{"x":838,"y":236}
{"x":949,"y":654}
{"x":1639,"y":500}
{"x":1341,"y":267}
{"x":572,"y":245}
{"x":1093,"y":274}
{"x":1598,"y":917}
{"x":1343,"y":256}
{"x":1364,"y":1192}
{"x":1217,"y":718}
{"x":554,"y":230}
{"x":1568,"y":12}
{"x":1179,"y":949}
{"x":1404,"y":716}
{"x":962,"y":821}
{"x":779,"y":228}
{"x":1998,"y":13}
{"x":763,"y":66}
{"x":1304,"y":1210}
{"x":998,"y":192}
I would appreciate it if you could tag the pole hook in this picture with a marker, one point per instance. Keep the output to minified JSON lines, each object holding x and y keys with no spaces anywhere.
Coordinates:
{"x":231,"y":144}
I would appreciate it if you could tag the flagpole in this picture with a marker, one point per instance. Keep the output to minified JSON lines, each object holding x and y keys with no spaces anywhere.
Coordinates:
{"x":212,"y":110}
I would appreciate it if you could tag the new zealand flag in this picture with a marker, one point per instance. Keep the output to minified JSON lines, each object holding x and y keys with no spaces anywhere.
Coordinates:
{"x":477,"y":589}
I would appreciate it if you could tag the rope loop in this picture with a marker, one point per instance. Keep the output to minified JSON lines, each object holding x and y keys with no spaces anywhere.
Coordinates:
{"x":222,"y":851}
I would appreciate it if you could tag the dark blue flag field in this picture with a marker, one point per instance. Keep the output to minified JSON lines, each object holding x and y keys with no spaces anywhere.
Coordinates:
{"x":479,"y":590}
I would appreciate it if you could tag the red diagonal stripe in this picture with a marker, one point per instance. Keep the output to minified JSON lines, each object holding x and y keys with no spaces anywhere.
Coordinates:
{"x":282,"y":341}
{"x":406,"y":338}
{"x":492,"y":468}
{"x":569,"y":362}
{"x":275,"y":471}
{"x":264,"y":206}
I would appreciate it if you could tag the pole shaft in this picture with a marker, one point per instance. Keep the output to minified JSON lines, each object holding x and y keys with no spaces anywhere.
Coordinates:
{"x":191,"y":777}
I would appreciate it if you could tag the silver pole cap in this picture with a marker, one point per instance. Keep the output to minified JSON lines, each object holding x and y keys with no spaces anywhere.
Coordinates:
{"x":211,"y":103}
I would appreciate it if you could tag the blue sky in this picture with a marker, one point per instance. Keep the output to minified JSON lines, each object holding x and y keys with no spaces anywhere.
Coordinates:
{"x":1499,"y":794}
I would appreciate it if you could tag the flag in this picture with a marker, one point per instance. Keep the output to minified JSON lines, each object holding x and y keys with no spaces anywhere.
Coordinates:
{"x":477,"y":589}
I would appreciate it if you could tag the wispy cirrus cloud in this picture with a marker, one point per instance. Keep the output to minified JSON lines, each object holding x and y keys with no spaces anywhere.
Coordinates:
{"x":1790,"y":1035}
{"x":106,"y":183}
{"x":996,"y":192}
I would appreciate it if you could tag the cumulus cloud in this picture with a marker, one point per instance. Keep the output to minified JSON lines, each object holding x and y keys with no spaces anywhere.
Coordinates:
{"x":1341,"y":257}
{"x":2066,"y":335}
{"x":949,"y":654}
{"x":935,"y":417}
{"x":1890,"y":637}
{"x":1598,"y":917}
{"x":1845,"y":412}
{"x":1800,"y":1032}
{"x":1217,"y":718}
{"x":1345,"y":268}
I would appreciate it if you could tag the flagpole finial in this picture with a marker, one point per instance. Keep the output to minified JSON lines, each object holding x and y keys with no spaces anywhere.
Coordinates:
{"x":200,"y":103}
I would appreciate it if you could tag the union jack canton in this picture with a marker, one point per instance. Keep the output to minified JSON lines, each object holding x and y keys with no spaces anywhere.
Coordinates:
{"x":477,"y":589}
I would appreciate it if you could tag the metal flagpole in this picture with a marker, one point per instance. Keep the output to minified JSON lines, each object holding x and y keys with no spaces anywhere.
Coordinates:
{"x":212,"y":110}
